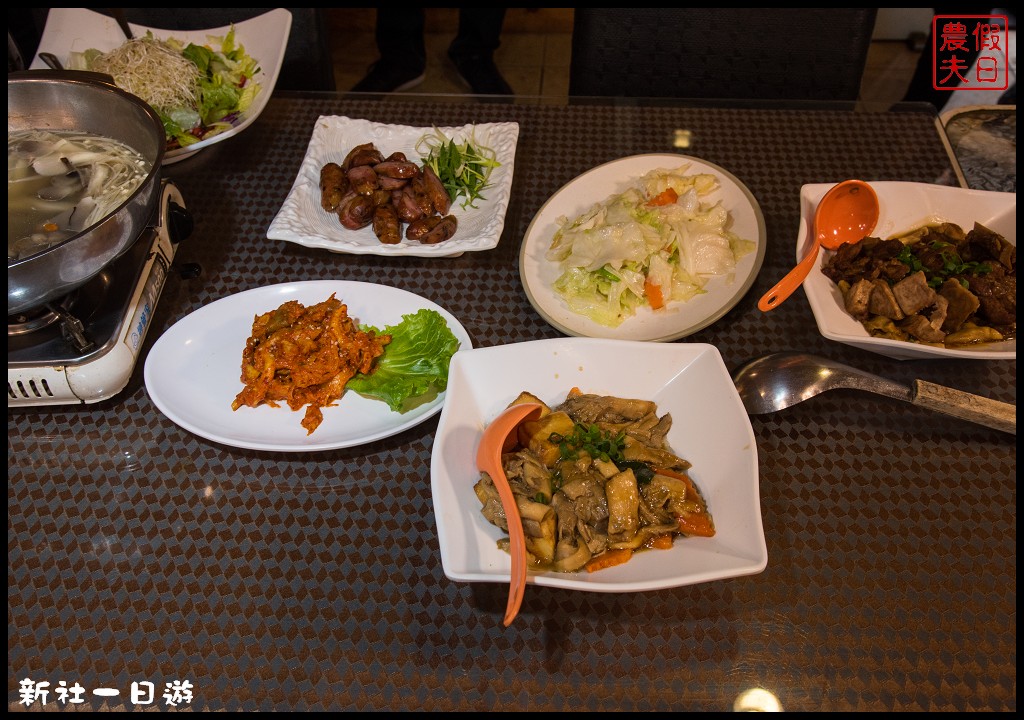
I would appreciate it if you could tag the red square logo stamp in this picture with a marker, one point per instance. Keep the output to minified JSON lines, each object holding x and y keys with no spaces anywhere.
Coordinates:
{"x":969,"y":52}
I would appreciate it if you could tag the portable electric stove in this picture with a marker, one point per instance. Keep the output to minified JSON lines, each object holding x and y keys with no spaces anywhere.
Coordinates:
{"x":82,"y":348}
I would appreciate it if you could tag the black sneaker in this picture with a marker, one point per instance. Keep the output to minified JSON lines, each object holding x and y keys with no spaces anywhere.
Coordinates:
{"x":387,"y":77}
{"x":482,"y":76}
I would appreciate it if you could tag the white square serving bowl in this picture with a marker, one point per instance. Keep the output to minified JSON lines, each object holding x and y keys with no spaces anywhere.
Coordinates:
{"x":710,"y":429}
{"x":904,"y":206}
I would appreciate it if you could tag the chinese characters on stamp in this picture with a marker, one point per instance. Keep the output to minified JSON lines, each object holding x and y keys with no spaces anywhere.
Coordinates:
{"x":969,"y":52}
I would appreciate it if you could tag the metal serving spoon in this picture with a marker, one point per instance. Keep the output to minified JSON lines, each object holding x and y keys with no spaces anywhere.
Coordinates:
{"x":774,"y":382}
{"x":501,"y":436}
{"x":847,"y":213}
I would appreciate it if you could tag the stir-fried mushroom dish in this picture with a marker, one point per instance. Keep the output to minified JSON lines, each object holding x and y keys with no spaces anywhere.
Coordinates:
{"x":595,"y":481}
{"x":937,"y":285}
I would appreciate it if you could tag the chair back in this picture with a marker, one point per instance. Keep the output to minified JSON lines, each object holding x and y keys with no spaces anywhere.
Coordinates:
{"x":778,"y":53}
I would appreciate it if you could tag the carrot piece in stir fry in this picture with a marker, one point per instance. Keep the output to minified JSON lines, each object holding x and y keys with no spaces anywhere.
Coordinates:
{"x":609,"y":558}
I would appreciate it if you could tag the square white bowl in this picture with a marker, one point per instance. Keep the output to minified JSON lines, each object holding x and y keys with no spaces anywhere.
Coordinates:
{"x":904,"y":206}
{"x":302,"y":220}
{"x":709,"y":428}
{"x":264,"y":38}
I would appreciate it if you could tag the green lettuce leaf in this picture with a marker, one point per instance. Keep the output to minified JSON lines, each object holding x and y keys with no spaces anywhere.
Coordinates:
{"x":414,"y":366}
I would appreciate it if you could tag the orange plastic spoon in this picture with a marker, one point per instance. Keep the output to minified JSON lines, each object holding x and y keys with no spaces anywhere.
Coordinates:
{"x":847,"y":213}
{"x":501,"y":436}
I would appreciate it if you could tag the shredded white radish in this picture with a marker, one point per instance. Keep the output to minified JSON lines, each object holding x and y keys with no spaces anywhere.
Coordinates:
{"x":152,"y":70}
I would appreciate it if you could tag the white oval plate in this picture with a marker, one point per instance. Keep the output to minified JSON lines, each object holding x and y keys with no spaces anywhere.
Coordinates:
{"x":193,"y":372}
{"x":710,"y":428}
{"x":302,"y":220}
{"x":676,"y":320}
{"x":264,"y":37}
{"x":904,"y":206}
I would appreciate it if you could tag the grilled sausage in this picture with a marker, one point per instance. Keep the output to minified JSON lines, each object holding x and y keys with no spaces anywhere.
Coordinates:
{"x":405,"y":204}
{"x":395,"y":169}
{"x":355,"y":211}
{"x":386,"y":226}
{"x":436,"y":191}
{"x":444,"y":230}
{"x":418,"y":229}
{"x":364,"y":179}
{"x":421,"y":195}
{"x":390,"y":183}
{"x":365,"y":154}
{"x":333,"y":186}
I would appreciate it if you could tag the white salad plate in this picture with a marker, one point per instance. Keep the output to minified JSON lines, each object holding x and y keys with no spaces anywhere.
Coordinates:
{"x":710,"y":429}
{"x":264,"y":38}
{"x":193,"y":372}
{"x":904,"y":206}
{"x":675,"y":320}
{"x":302,"y":220}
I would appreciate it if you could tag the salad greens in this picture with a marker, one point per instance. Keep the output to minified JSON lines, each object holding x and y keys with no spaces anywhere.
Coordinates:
{"x":197,"y":90}
{"x":656,"y":243}
{"x":414,"y":365}
{"x":464,"y":168}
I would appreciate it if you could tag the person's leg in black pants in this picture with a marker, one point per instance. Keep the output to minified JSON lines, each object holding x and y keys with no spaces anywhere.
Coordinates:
{"x":472,"y":50}
{"x":403,"y":55}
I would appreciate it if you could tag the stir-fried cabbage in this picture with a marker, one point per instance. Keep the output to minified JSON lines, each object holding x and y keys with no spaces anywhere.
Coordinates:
{"x":658,"y":242}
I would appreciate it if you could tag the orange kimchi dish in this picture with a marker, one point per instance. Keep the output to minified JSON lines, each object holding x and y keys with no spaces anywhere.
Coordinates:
{"x":304,"y":356}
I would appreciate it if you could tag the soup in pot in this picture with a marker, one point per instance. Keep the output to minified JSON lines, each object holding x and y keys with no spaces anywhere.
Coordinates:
{"x":60,"y":183}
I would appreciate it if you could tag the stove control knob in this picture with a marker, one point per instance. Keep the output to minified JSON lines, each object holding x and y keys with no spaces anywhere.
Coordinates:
{"x":179,"y":222}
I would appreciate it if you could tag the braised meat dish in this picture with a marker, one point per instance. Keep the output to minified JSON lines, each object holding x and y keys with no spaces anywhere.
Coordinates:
{"x":937,"y":285}
{"x":304,"y":356}
{"x":595,"y":482}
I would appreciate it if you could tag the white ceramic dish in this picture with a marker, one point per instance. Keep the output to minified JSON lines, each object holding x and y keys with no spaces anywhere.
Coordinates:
{"x":677,"y":319}
{"x":264,"y":37}
{"x":710,"y":429}
{"x":192,"y":373}
{"x":302,"y":220}
{"x":904,"y":206}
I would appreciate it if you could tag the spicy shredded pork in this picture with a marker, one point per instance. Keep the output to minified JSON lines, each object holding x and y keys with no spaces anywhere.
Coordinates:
{"x":304,"y":356}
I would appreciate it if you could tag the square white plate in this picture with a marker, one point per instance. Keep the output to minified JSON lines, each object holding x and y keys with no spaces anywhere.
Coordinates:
{"x":710,"y":429}
{"x":302,"y":220}
{"x":264,"y":38}
{"x":904,"y":206}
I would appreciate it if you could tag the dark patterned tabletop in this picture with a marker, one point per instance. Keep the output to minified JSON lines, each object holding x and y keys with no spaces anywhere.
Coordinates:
{"x":243,"y":580}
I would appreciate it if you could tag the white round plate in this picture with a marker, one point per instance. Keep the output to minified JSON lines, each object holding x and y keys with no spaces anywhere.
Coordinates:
{"x":676,"y":320}
{"x":193,"y":372}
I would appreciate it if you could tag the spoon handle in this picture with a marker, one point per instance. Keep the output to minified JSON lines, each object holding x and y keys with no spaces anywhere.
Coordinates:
{"x":793,"y":279}
{"x":984,"y":411}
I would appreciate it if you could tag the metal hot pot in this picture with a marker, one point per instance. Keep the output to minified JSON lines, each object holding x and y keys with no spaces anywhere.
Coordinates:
{"x":89,"y":102}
